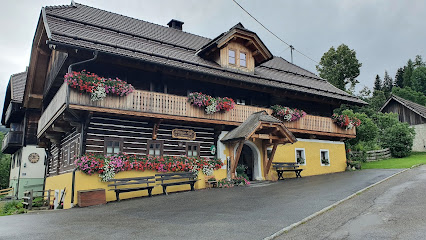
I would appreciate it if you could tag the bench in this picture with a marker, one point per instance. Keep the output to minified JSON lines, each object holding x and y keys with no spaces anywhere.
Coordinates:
{"x":178,"y":178}
{"x":120,"y":185}
{"x":287,"y":167}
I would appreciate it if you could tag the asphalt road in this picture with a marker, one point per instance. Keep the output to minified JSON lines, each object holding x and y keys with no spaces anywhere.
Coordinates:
{"x":237,"y":213}
{"x":394,"y":209}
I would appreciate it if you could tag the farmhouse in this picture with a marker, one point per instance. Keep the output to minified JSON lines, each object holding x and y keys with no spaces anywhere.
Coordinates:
{"x":411,"y":113}
{"x":167,"y":93}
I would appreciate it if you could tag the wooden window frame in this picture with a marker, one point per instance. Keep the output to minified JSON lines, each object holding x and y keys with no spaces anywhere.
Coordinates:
{"x":187,"y":146}
{"x":235,"y":57}
{"x":239,"y":59}
{"x":109,"y":139}
{"x":161,"y":142}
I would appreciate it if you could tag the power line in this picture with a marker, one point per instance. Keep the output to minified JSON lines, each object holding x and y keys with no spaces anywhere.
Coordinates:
{"x":289,"y":45}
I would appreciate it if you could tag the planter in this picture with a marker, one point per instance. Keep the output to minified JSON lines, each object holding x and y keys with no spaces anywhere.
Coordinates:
{"x":91,"y":197}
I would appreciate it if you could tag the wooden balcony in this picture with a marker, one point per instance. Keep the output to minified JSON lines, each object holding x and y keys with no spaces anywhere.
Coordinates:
{"x":12,"y":141}
{"x":166,"y":106}
{"x":13,"y":113}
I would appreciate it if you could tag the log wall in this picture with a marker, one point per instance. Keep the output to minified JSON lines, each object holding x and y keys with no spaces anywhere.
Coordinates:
{"x":62,"y":156}
{"x":135,"y":134}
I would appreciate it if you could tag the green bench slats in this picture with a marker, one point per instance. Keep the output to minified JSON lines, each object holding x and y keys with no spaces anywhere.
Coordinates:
{"x":182,"y":179}
{"x":287,"y":167}
{"x":132,"y":181}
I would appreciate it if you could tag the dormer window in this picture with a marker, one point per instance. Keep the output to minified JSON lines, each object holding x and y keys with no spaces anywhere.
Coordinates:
{"x":243,"y":62}
{"x":231,"y":57}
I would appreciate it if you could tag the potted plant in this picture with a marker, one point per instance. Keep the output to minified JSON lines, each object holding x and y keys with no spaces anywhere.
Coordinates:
{"x":325,"y":161}
{"x":300,"y":160}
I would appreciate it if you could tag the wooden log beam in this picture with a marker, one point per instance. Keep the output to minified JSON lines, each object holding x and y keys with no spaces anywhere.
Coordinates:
{"x":237,"y":157}
{"x":155,"y":129}
{"x":265,"y":136}
{"x":268,"y":165}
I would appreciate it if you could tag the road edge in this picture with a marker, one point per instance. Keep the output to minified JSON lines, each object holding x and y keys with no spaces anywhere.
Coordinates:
{"x":288,"y":228}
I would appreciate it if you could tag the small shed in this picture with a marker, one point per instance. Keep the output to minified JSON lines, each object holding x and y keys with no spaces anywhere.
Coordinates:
{"x":411,"y":113}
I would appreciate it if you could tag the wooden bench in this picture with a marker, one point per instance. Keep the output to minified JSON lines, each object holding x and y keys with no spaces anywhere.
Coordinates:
{"x":178,"y":178}
{"x":287,"y":167}
{"x":119,"y":183}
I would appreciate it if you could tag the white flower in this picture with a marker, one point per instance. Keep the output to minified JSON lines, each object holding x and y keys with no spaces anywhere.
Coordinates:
{"x":210,"y":109}
{"x":98,"y":94}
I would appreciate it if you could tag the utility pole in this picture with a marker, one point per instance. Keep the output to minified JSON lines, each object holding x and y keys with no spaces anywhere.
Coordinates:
{"x":291,"y":51}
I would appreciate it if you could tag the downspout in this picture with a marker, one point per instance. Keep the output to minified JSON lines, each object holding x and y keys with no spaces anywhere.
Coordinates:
{"x":95,"y":53}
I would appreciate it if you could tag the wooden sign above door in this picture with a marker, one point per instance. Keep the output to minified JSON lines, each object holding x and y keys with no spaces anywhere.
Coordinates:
{"x":187,"y":134}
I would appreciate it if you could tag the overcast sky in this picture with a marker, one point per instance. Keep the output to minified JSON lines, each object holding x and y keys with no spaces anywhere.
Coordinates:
{"x":384,"y":33}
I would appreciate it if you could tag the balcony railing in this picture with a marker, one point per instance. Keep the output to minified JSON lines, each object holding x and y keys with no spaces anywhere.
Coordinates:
{"x":178,"y":106}
{"x":13,"y":112}
{"x":12,"y":141}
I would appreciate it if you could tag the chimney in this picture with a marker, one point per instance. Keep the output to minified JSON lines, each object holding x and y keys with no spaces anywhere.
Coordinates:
{"x":176,"y":24}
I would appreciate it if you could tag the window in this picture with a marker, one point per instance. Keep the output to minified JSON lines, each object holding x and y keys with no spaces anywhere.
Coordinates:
{"x":231,"y":57}
{"x":113,"y":146}
{"x":192,"y":149}
{"x":325,"y":157}
{"x":243,"y":62}
{"x":300,"y":156}
{"x":155,"y":148}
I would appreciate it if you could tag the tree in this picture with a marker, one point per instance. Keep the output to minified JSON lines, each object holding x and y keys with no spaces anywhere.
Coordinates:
{"x":418,"y":79}
{"x":418,"y":62}
{"x":408,"y":71}
{"x":364,"y":93}
{"x":339,"y":66}
{"x":387,"y":84}
{"x":377,"y":101}
{"x":399,"y":78}
{"x":4,"y":167}
{"x":377,"y":84}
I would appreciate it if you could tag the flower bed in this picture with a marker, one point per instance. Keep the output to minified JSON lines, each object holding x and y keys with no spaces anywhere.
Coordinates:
{"x":346,"y":122}
{"x":108,"y":166}
{"x":211,"y":104}
{"x":97,"y":86}
{"x":288,"y":114}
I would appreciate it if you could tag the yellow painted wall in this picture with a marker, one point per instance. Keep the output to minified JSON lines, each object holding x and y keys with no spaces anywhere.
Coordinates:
{"x":287,"y":153}
{"x":87,"y":182}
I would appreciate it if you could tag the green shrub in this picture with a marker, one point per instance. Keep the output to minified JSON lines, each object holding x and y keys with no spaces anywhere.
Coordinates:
{"x":12,"y":207}
{"x":399,"y":139}
{"x":39,"y":202}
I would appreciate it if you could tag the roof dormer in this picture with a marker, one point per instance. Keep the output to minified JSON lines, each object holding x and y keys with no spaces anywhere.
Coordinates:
{"x":238,"y":48}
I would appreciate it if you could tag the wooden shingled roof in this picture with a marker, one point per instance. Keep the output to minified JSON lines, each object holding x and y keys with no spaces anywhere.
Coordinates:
{"x":81,"y":26}
{"x":415,"y":107}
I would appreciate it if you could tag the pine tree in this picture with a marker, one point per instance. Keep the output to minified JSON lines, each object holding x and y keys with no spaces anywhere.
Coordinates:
{"x":399,"y":78}
{"x":378,"y":84}
{"x":408,"y":71}
{"x":418,"y":61}
{"x":387,"y":84}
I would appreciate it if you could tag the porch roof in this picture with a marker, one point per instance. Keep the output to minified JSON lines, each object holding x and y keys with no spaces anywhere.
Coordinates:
{"x":256,"y":122}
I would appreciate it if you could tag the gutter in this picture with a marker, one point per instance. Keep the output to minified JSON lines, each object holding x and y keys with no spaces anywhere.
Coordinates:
{"x":70,"y":67}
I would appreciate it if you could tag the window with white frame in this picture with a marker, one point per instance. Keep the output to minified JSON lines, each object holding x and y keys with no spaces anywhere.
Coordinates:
{"x":231,"y":54}
{"x":243,"y":60}
{"x":300,"y":156}
{"x":324,"y":157}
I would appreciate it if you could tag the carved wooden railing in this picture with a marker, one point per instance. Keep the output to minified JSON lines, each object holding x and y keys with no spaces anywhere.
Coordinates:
{"x":12,"y":138}
{"x":167,"y":104}
{"x":53,"y":110}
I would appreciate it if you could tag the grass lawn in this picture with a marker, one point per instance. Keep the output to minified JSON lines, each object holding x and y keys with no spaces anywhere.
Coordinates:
{"x":407,"y":162}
